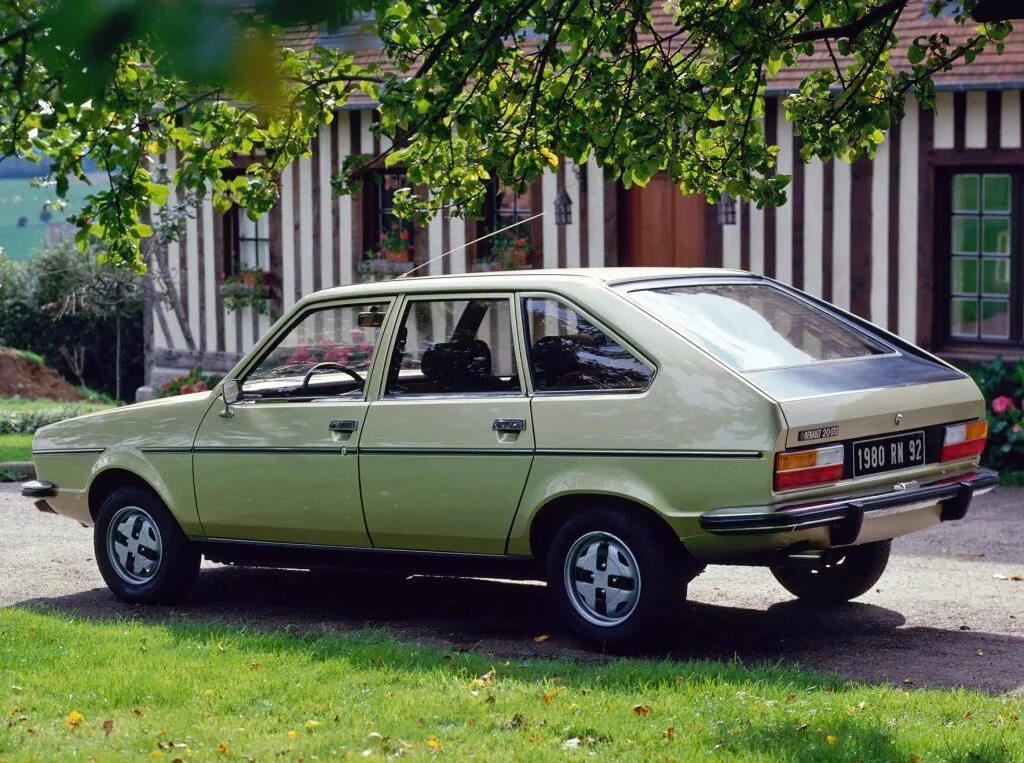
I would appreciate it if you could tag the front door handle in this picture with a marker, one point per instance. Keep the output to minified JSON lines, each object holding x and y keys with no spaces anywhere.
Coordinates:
{"x":509,"y":425}
{"x":343,"y":425}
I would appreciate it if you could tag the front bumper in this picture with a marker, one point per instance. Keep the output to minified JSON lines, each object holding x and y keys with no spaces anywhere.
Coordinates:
{"x":845,"y":517}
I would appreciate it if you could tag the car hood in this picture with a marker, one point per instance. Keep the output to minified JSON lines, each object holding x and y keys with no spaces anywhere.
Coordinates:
{"x":164,"y":423}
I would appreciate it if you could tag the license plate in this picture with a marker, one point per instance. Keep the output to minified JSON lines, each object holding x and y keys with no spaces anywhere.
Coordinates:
{"x":883,"y":454}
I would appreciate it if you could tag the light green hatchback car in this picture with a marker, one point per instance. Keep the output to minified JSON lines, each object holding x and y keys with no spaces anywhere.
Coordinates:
{"x":611,"y":431}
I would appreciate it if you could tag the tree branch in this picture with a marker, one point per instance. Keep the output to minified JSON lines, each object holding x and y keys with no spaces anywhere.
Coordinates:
{"x":853,"y":29}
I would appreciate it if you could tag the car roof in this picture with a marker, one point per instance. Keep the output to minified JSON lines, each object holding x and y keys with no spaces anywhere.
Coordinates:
{"x":519,"y":279}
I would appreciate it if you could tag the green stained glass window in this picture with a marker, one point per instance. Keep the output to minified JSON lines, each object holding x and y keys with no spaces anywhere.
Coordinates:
{"x":964,"y":319}
{"x":965,"y":193}
{"x":996,"y":238}
{"x":995,"y":318}
{"x":965,"y":234}
{"x":965,"y":275}
{"x":995,"y":276}
{"x":996,"y":196}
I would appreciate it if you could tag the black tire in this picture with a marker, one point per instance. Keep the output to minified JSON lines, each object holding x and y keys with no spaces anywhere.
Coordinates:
{"x":146,"y":576}
{"x":658,"y":573}
{"x":847,"y":575}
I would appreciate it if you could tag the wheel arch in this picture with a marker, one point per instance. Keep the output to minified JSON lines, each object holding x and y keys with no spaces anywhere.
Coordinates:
{"x":111,"y":479}
{"x":561,"y":508}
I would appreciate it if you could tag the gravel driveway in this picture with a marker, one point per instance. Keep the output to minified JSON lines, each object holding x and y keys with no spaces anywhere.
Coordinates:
{"x":946,"y":613}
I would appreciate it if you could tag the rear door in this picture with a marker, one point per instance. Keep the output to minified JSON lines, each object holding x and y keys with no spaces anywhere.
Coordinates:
{"x":447,"y":447}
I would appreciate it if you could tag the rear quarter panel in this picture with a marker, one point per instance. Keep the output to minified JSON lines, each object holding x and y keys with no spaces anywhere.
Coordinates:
{"x":698,"y":438}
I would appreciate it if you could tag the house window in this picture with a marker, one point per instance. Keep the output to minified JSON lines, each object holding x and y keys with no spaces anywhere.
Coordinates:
{"x":505,"y":207}
{"x":387,"y":231}
{"x":248,"y":242}
{"x":984,"y":261}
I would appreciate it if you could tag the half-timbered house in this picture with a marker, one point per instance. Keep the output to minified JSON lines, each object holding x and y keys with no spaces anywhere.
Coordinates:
{"x":925,"y":239}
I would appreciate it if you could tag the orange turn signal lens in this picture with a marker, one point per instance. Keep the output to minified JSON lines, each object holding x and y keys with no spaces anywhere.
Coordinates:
{"x":964,"y":440}
{"x":803,"y":468}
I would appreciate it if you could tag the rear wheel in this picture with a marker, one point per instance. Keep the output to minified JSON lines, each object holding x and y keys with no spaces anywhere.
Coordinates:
{"x":846,"y":575}
{"x":141,"y":551}
{"x":612,"y":576}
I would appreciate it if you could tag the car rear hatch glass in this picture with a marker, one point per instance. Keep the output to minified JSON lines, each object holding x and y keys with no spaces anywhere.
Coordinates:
{"x":836,"y":380}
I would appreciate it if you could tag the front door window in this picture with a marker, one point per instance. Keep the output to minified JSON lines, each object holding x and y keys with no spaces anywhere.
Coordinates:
{"x":327,"y":353}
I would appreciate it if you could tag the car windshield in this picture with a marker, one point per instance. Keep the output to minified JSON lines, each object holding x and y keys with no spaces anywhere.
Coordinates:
{"x":755,"y":326}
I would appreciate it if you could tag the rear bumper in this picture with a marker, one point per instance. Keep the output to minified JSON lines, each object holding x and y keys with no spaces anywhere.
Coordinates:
{"x":38,"y":489}
{"x":844,"y":517}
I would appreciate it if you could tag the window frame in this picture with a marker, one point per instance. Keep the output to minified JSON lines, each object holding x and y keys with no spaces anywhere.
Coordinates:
{"x":403,"y":305}
{"x":943,"y":309}
{"x":524,"y":339}
{"x":373,"y":211}
{"x":274,"y":338}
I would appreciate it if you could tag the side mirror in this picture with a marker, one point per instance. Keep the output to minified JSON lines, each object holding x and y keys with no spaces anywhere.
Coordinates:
{"x":231,"y":391}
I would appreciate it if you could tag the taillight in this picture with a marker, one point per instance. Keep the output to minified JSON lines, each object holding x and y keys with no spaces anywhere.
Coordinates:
{"x":964,"y":440}
{"x":802,"y":468}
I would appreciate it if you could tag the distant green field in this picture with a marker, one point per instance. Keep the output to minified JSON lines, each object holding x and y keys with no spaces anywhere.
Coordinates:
{"x":19,"y":199}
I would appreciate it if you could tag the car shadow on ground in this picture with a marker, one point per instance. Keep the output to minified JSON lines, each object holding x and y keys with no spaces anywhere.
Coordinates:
{"x":504,"y":619}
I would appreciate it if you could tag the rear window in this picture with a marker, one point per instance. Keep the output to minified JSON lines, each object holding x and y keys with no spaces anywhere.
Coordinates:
{"x":750,"y":327}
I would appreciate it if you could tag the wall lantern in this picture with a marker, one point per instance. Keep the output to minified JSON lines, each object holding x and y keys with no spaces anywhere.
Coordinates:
{"x":726,"y":209}
{"x":563,"y":208}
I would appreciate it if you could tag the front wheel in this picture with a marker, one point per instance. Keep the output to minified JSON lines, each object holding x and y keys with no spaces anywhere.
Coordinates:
{"x":612,"y":576}
{"x":141,"y":551}
{"x":848,"y":574}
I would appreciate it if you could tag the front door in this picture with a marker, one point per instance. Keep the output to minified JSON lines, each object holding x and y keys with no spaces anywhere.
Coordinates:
{"x":446,"y":450}
{"x":283,"y":466}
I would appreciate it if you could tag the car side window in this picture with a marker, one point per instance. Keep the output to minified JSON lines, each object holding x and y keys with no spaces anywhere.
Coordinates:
{"x":451,"y":346}
{"x":327,"y":353}
{"x":568,"y":352}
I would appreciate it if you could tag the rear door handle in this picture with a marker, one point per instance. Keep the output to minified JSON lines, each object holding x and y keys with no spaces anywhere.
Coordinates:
{"x":343,"y":425}
{"x":509,"y":425}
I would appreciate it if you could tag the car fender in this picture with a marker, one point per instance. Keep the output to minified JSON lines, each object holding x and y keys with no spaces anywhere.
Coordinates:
{"x":167,"y":472}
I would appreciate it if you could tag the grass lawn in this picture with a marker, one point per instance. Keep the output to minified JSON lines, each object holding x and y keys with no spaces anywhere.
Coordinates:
{"x":128,"y":690}
{"x":15,"y":447}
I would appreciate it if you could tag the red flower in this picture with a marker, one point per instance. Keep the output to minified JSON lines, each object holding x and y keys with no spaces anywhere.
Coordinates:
{"x":1017,"y":427}
{"x":200,"y":386}
{"x":404,"y":235}
{"x":185,"y":389}
{"x":1002,"y":404}
{"x":521,"y":242}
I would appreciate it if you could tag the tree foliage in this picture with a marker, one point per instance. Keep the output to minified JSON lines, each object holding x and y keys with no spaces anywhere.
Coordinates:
{"x":467,"y":90}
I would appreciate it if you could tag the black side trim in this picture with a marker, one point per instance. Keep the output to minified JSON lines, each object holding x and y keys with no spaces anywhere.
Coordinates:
{"x":740,"y":454}
{"x":38,"y":489}
{"x":67,"y":451}
{"x":303,"y":556}
{"x":166,"y":450}
{"x":445,"y":451}
{"x":844,"y":517}
{"x":335,"y":450}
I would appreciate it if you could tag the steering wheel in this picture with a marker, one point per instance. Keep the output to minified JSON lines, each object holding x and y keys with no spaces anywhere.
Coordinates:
{"x":339,"y":366}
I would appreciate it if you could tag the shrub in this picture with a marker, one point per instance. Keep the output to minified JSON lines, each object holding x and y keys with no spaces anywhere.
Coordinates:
{"x":1002,"y":384}
{"x":27,"y":422}
{"x":62,"y":305}
{"x":194,"y":381}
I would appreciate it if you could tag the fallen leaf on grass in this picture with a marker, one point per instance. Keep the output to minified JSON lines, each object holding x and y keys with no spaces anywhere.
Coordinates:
{"x":669,"y":733}
{"x":293,"y":734}
{"x":486,"y":679}
{"x":830,"y":740}
{"x":641,"y":709}
{"x":312,"y":724}
{"x":256,"y":665}
{"x":541,"y":637}
{"x":74,"y":719}
{"x":137,"y":711}
{"x":433,"y":743}
{"x":108,"y":726}
{"x":549,"y":697}
{"x":222,"y":748}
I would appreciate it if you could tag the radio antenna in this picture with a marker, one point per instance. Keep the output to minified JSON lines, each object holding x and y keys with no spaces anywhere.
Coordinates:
{"x":469,"y":243}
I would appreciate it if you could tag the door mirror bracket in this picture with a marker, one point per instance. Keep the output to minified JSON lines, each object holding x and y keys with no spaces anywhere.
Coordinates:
{"x":232,"y":393}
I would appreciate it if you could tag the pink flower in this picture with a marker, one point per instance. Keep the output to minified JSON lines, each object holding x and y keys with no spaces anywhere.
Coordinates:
{"x":200,"y":386}
{"x":1002,"y":404}
{"x":1017,"y":427}
{"x":185,"y":389}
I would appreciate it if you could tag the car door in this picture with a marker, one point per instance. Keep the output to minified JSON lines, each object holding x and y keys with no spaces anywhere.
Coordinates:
{"x":281,"y":465}
{"x":446,"y":449}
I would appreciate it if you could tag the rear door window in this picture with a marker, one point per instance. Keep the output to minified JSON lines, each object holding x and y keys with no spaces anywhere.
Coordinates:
{"x":756,"y":326}
{"x":570,"y":353}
